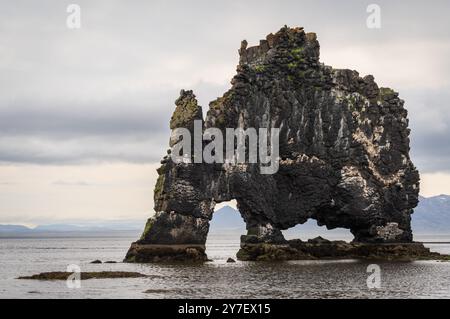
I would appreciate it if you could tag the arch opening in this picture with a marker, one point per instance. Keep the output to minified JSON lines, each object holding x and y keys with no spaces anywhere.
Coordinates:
{"x":310,"y":230}
{"x":225,"y":230}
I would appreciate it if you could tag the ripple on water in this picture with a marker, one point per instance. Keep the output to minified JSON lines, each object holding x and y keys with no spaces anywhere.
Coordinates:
{"x":216,"y":279}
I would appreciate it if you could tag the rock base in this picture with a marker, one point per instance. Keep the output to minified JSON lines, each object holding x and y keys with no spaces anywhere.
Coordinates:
{"x":148,"y":253}
{"x":324,"y":249}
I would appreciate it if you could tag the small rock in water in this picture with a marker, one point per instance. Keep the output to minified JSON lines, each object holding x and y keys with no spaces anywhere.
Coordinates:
{"x":57,"y":275}
{"x":110,"y":262}
{"x":96,"y":261}
{"x":231,"y":260}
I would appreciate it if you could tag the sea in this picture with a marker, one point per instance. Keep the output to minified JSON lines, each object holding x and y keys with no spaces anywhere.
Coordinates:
{"x":214,"y":279}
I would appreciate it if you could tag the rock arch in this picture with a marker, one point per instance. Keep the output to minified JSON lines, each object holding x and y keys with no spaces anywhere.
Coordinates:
{"x":344,"y":156}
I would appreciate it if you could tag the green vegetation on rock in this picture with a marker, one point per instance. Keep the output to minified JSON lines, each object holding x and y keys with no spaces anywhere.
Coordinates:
{"x":386,"y":94}
{"x":260,"y":68}
{"x":186,"y":112}
{"x":148,"y":227}
{"x":159,"y":187}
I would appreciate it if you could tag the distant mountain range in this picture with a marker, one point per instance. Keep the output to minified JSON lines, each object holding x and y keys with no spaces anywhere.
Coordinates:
{"x":227,"y":219}
{"x":13,"y":229}
{"x":432,"y":216}
{"x":85,"y":228}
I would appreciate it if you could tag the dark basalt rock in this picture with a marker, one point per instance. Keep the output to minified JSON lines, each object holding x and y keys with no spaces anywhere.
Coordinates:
{"x":344,"y":156}
{"x":60,"y":275}
{"x":146,"y":253}
{"x":298,"y":250}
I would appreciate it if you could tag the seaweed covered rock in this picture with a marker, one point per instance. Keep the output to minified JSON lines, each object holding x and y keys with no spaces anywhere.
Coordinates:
{"x":343,"y":155}
{"x":326,"y":249}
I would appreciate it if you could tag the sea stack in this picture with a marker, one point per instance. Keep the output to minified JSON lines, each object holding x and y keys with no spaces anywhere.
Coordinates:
{"x":343,"y":159}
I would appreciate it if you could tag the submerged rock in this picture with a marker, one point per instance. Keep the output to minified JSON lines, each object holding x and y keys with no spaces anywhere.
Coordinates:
{"x":59,"y":275}
{"x":343,"y":150}
{"x":96,"y":261}
{"x":231,"y":260}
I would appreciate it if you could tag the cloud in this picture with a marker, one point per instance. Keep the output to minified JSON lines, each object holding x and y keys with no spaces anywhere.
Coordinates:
{"x":131,"y":128}
{"x":429,"y":119}
{"x":433,"y":184}
{"x":84,"y":112}
{"x":105,"y":93}
{"x":71,"y":183}
{"x":100,"y":191}
{"x":61,"y":132}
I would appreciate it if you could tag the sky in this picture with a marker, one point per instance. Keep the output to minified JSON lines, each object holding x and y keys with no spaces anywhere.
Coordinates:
{"x":84,"y":112}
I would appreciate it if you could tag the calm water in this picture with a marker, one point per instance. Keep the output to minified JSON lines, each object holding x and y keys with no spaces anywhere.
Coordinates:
{"x":217,"y":279}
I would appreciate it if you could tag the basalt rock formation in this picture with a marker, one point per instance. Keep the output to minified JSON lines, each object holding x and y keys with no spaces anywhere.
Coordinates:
{"x":320,"y":248}
{"x":343,"y":148}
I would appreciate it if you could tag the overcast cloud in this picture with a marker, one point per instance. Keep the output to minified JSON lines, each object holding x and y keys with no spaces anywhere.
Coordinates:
{"x":105,"y":92}
{"x":68,"y":94}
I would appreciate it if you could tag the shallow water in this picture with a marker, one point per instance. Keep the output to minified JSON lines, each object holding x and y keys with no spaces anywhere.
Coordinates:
{"x":216,"y":279}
